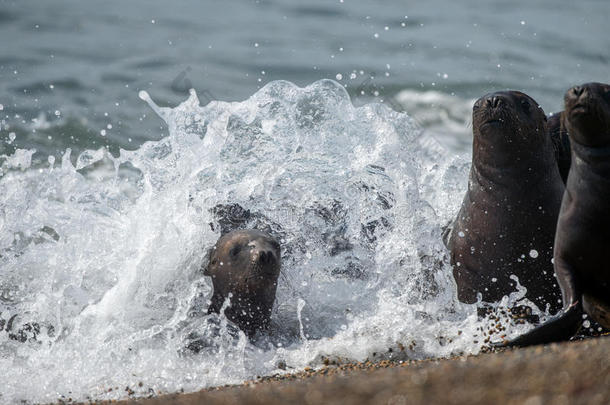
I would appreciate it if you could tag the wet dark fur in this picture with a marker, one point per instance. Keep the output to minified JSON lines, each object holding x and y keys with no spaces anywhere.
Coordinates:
{"x":511,"y":206}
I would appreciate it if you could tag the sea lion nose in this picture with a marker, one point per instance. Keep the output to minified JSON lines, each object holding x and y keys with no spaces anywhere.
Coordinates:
{"x":494,"y":101}
{"x":577,"y":90}
{"x":266,"y":257}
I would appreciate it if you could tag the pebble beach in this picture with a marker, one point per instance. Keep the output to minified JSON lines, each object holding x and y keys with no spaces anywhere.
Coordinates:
{"x":574,"y":372}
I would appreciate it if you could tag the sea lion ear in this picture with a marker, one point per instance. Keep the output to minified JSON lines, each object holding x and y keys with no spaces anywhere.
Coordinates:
{"x":206,"y":262}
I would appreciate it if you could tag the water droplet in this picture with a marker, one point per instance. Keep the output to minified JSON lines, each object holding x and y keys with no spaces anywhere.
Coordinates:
{"x":533,"y":253}
{"x":339,"y":76}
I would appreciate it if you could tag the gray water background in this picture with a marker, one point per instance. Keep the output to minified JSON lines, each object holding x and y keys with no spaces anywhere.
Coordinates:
{"x":75,"y":67}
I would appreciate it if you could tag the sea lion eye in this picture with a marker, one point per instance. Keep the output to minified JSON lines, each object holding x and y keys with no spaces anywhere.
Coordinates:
{"x":235,"y":250}
{"x":526,"y":106}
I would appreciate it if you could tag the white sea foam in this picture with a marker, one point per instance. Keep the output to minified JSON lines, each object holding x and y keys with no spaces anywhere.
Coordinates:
{"x":103,"y":253}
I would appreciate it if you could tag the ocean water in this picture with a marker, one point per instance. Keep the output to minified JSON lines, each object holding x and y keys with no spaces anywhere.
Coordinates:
{"x":335,"y":123}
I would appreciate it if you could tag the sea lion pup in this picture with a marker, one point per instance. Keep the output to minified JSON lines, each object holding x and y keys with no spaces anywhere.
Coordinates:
{"x":508,"y":217}
{"x":245,"y":266}
{"x":583,"y":229}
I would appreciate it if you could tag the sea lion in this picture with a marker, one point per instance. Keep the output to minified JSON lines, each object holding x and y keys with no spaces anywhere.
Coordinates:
{"x":583,"y":229}
{"x":245,"y":266}
{"x":508,"y":217}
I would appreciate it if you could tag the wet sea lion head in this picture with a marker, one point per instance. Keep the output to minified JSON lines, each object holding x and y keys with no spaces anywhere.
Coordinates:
{"x":507,"y":125}
{"x":251,"y":250}
{"x":245,"y":266}
{"x":587,"y":114}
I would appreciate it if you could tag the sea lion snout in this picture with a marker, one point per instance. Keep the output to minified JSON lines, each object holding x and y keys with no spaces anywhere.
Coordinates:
{"x":494,"y":109}
{"x":490,"y":101}
{"x":265,"y":257}
{"x":576,"y":91}
{"x":578,"y":98}
{"x":586,"y":113}
{"x":587,"y":94}
{"x":264,"y":251}
{"x":495,"y":101}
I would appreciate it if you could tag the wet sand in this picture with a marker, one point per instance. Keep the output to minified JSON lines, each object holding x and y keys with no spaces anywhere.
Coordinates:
{"x":568,"y":373}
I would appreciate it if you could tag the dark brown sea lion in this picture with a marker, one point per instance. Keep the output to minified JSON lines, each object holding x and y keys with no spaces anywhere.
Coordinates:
{"x":245,"y":266}
{"x":583,"y":229}
{"x":507,"y":221}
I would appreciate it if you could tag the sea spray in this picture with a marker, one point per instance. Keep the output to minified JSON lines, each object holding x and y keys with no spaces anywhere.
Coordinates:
{"x":104,"y":252}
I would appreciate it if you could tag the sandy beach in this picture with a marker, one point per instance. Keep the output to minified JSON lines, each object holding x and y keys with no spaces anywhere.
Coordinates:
{"x":575,"y":372}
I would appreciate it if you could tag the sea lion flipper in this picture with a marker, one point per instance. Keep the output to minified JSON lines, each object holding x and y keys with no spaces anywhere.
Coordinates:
{"x":567,"y":278}
{"x":567,"y":322}
{"x":561,"y":327}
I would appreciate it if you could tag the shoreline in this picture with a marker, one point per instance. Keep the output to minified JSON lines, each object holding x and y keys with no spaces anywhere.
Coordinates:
{"x":565,"y":373}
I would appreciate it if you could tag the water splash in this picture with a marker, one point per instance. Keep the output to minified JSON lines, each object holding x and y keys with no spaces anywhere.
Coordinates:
{"x":101,"y":256}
